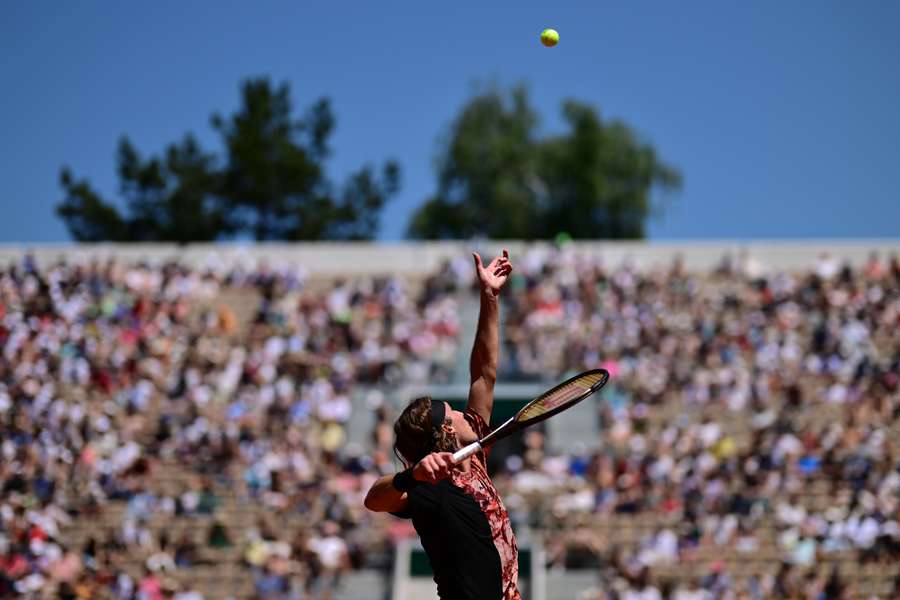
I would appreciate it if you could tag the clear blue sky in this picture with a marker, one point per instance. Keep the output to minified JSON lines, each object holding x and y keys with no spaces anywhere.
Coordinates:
{"x":784,"y":117}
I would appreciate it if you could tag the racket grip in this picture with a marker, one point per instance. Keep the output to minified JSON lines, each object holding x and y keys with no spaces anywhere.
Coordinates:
{"x":466,"y":452}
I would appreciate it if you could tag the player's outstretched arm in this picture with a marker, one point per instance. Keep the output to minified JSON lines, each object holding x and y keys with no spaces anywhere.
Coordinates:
{"x":384,"y":497}
{"x":486,"y":351}
{"x":388,"y":493}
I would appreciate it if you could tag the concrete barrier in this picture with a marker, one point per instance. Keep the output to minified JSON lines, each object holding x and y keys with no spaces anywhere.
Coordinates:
{"x":420,"y":258}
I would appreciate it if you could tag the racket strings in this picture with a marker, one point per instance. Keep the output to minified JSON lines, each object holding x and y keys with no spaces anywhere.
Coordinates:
{"x":561,"y":395}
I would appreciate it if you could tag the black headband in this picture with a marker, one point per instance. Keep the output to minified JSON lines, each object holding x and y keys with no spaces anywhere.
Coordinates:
{"x":438,"y":414}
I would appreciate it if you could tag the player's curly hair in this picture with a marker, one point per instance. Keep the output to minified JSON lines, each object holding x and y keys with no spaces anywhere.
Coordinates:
{"x":414,"y":436}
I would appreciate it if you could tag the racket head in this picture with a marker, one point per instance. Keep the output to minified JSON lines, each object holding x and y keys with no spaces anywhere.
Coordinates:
{"x":555,"y":400}
{"x":565,"y":395}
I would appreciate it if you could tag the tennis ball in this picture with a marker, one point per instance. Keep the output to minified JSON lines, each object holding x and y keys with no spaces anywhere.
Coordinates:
{"x":549,"y":37}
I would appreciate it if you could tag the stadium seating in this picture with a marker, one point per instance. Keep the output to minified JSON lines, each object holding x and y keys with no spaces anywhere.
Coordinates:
{"x":180,"y":430}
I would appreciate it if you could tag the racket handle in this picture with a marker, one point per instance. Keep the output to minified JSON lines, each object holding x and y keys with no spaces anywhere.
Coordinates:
{"x":466,"y":452}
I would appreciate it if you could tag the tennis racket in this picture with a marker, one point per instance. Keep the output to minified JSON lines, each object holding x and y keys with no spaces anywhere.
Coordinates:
{"x":566,"y":395}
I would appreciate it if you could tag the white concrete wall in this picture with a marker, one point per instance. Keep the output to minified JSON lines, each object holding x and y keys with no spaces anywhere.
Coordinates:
{"x":418,"y":258}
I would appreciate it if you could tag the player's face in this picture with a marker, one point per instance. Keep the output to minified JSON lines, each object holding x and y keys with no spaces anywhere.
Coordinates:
{"x":464,"y":432}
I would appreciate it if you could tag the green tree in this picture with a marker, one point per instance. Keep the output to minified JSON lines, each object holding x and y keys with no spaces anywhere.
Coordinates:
{"x":498,"y":179}
{"x":270,"y":184}
{"x":274,"y":181}
{"x":88,"y":217}
{"x":485,"y":169}
{"x":168,"y":198}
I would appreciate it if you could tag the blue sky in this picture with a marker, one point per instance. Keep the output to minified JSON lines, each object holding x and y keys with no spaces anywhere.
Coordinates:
{"x":784,"y":117}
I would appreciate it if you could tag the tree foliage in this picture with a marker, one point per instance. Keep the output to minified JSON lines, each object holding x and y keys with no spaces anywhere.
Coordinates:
{"x":269,"y":184}
{"x":485,"y":173}
{"x":496,"y":178}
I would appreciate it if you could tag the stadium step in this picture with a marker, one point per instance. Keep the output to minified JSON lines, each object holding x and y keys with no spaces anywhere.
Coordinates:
{"x":570,"y":585}
{"x":362,"y":585}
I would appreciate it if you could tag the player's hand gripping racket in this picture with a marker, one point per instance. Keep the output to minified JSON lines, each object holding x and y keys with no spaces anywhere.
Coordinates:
{"x":565,"y":395}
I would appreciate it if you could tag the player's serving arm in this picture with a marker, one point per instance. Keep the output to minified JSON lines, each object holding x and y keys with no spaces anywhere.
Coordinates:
{"x":455,"y":509}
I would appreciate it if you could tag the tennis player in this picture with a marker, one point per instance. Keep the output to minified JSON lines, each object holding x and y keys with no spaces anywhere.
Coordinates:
{"x":455,"y":509}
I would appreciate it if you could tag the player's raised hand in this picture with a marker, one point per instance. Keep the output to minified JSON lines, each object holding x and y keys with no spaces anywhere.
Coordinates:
{"x":434,"y":467}
{"x":493,"y":276}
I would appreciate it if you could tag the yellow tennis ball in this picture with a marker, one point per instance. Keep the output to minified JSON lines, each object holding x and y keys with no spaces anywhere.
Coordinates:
{"x":549,"y":37}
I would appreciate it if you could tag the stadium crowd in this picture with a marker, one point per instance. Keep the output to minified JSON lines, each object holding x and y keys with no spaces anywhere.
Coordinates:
{"x":736,"y":396}
{"x":110,"y":372}
{"x":144,"y":392}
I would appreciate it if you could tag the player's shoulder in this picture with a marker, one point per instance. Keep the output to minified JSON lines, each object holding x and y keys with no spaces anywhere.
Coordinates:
{"x":425,"y":496}
{"x":479,"y":425}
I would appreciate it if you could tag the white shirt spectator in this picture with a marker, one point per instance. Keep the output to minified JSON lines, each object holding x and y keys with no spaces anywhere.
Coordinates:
{"x":330,"y":550}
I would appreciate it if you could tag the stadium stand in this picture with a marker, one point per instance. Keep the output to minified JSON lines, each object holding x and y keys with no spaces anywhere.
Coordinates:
{"x":185,"y":428}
